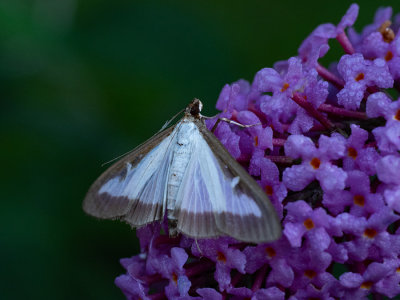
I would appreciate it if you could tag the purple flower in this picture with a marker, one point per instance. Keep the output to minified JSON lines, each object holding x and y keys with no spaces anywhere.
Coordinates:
{"x":380,"y":105}
{"x":316,"y":163}
{"x":359,"y":156}
{"x":388,"y":136}
{"x":269,"y":173}
{"x":274,"y":255}
{"x":309,"y":265}
{"x":130,"y":284}
{"x":279,"y":108}
{"x":358,"y":199}
{"x":358,"y":74}
{"x":261,"y":136}
{"x":359,"y":286}
{"x":234,"y":97}
{"x":389,"y":285}
{"x":225,"y":258}
{"x":371,"y":238}
{"x":348,"y":19}
{"x":386,"y":170}
{"x":313,"y":224}
{"x":316,"y":44}
{"x":229,"y":139}
{"x":382,"y":14}
{"x":379,"y":44}
{"x":324,"y":145}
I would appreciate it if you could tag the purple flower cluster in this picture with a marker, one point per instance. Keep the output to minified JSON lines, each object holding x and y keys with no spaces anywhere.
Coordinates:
{"x":327,"y":154}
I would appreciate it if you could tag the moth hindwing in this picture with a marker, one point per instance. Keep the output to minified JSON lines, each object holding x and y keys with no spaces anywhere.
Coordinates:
{"x":186,"y":173}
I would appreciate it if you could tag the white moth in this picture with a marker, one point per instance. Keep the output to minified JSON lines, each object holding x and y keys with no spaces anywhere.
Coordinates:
{"x":186,"y":173}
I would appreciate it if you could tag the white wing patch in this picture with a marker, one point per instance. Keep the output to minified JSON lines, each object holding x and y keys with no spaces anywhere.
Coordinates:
{"x":235,"y":182}
{"x":144,"y":185}
{"x":209,"y":198}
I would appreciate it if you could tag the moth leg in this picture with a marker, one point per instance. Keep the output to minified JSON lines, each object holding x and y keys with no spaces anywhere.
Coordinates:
{"x":232,"y":122}
{"x":198,"y":247}
{"x":206,"y":117}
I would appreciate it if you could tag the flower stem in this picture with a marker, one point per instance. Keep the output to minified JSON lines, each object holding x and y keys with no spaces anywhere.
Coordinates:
{"x":278,"y":142}
{"x":345,"y":43}
{"x":260,"y":277}
{"x":280,"y":159}
{"x":300,"y":100}
{"x":329,"y":76}
{"x":342,"y":112}
{"x":198,"y":267}
{"x":235,"y":280}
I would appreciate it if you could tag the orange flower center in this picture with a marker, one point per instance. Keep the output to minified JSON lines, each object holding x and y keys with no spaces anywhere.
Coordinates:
{"x":309,"y":224}
{"x":270,"y":251}
{"x":221,"y":257}
{"x":174,"y":278}
{"x":370,"y":233}
{"x":310,"y":273}
{"x":397,"y":115}
{"x":389,"y":55}
{"x":366,"y":285}
{"x":352,"y":152}
{"x":315,"y":162}
{"x":285,"y":87}
{"x":269,"y":190}
{"x":359,"y":200}
{"x":256,"y":140}
{"x":359,"y":77}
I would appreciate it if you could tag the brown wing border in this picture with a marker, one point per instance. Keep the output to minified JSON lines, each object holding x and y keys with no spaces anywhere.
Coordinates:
{"x":94,"y":206}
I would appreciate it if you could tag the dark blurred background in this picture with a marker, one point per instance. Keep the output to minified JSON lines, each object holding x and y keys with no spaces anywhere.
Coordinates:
{"x":83,"y":81}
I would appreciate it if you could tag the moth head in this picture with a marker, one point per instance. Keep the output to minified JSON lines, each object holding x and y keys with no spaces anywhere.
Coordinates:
{"x":194,"y":108}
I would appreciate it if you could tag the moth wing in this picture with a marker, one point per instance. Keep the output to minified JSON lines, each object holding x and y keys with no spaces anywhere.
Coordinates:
{"x":265,"y":228}
{"x":194,"y":210}
{"x":133,"y":189}
{"x":218,"y":197}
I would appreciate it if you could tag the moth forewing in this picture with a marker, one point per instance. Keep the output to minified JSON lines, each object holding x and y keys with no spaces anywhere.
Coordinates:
{"x":107,"y":206}
{"x":252,"y":228}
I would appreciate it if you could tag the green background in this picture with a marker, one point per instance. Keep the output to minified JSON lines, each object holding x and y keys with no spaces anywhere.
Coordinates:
{"x":82,"y":82}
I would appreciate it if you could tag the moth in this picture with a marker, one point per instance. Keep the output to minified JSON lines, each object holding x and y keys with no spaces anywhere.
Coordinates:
{"x":185,"y":174}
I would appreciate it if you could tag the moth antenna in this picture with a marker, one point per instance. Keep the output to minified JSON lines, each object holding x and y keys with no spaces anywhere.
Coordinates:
{"x":118,"y":157}
{"x":170,"y":120}
{"x":126,"y":153}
